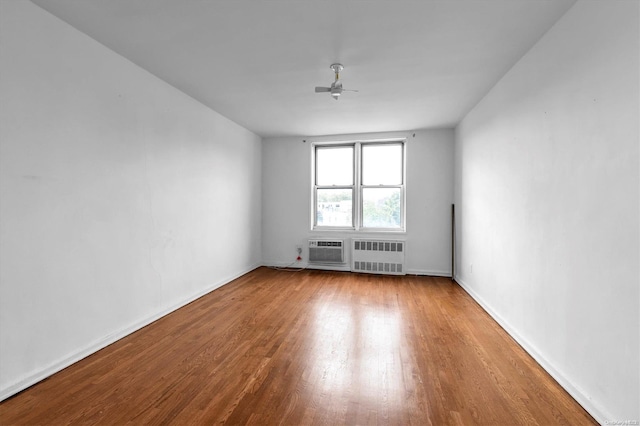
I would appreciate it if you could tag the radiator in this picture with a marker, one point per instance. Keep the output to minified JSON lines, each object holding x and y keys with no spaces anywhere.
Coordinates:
{"x":378,"y":256}
{"x":326,"y":251}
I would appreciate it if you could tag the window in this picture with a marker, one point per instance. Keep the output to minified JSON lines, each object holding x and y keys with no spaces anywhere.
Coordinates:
{"x":334,"y":186}
{"x":359,"y":185}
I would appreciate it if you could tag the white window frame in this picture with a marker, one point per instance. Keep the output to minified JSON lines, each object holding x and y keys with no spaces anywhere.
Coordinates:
{"x":357,"y":187}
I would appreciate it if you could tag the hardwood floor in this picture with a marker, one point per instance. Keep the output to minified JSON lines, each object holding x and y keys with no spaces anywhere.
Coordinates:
{"x":310,"y":347}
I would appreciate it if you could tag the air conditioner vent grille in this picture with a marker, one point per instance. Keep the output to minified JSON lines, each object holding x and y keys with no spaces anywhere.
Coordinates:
{"x":326,"y":251}
{"x":329,"y":243}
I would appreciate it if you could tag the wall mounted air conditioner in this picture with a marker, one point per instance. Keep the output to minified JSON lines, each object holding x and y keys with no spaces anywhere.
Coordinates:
{"x":326,"y":251}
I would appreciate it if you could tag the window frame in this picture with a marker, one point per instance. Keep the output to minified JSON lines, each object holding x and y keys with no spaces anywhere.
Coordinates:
{"x":358,"y":187}
{"x":316,"y":186}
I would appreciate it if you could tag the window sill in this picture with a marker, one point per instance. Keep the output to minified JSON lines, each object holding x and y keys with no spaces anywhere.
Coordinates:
{"x":361,"y":230}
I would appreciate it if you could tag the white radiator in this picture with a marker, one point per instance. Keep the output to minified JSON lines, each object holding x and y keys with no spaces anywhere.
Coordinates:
{"x":378,"y":256}
{"x":326,"y":251}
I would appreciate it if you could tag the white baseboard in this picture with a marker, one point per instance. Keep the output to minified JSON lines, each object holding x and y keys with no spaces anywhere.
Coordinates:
{"x":304,"y":265}
{"x":597,"y":412}
{"x":347,"y":268}
{"x":428,"y":272}
{"x":107,"y":340}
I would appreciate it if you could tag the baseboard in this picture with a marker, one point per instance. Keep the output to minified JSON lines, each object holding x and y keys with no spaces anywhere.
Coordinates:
{"x":304,"y":265}
{"x":429,"y":272}
{"x":293,"y":264}
{"x":595,"y":410}
{"x":347,"y":268}
{"x":112,"y":338}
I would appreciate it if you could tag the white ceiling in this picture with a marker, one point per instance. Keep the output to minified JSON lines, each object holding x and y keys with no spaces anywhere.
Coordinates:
{"x":417,"y":64}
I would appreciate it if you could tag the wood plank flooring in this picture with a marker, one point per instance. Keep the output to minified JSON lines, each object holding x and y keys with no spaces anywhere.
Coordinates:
{"x":310,"y":347}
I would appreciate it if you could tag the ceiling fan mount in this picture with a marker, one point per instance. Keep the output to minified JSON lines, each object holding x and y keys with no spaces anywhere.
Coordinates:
{"x":336,"y":88}
{"x":337,"y":68}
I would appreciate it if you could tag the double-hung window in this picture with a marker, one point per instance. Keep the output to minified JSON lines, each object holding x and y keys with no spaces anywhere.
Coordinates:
{"x":359,"y":185}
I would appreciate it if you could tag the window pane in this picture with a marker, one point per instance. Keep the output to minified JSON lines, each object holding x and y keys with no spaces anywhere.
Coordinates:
{"x":382,"y":164}
{"x":334,"y":207}
{"x":334,"y":165}
{"x":381,"y":207}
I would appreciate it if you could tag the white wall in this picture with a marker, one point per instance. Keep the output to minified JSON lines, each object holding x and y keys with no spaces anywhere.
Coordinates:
{"x":121,"y":197}
{"x":286,"y":207}
{"x":547,"y":188}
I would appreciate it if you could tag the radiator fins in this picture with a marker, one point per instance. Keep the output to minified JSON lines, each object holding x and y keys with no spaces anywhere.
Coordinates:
{"x":378,"y":257}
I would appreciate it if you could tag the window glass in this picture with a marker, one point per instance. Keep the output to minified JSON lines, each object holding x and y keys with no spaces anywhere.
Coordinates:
{"x":382,"y":164}
{"x":334,"y":207}
{"x":381,"y":207}
{"x":334,"y":165}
